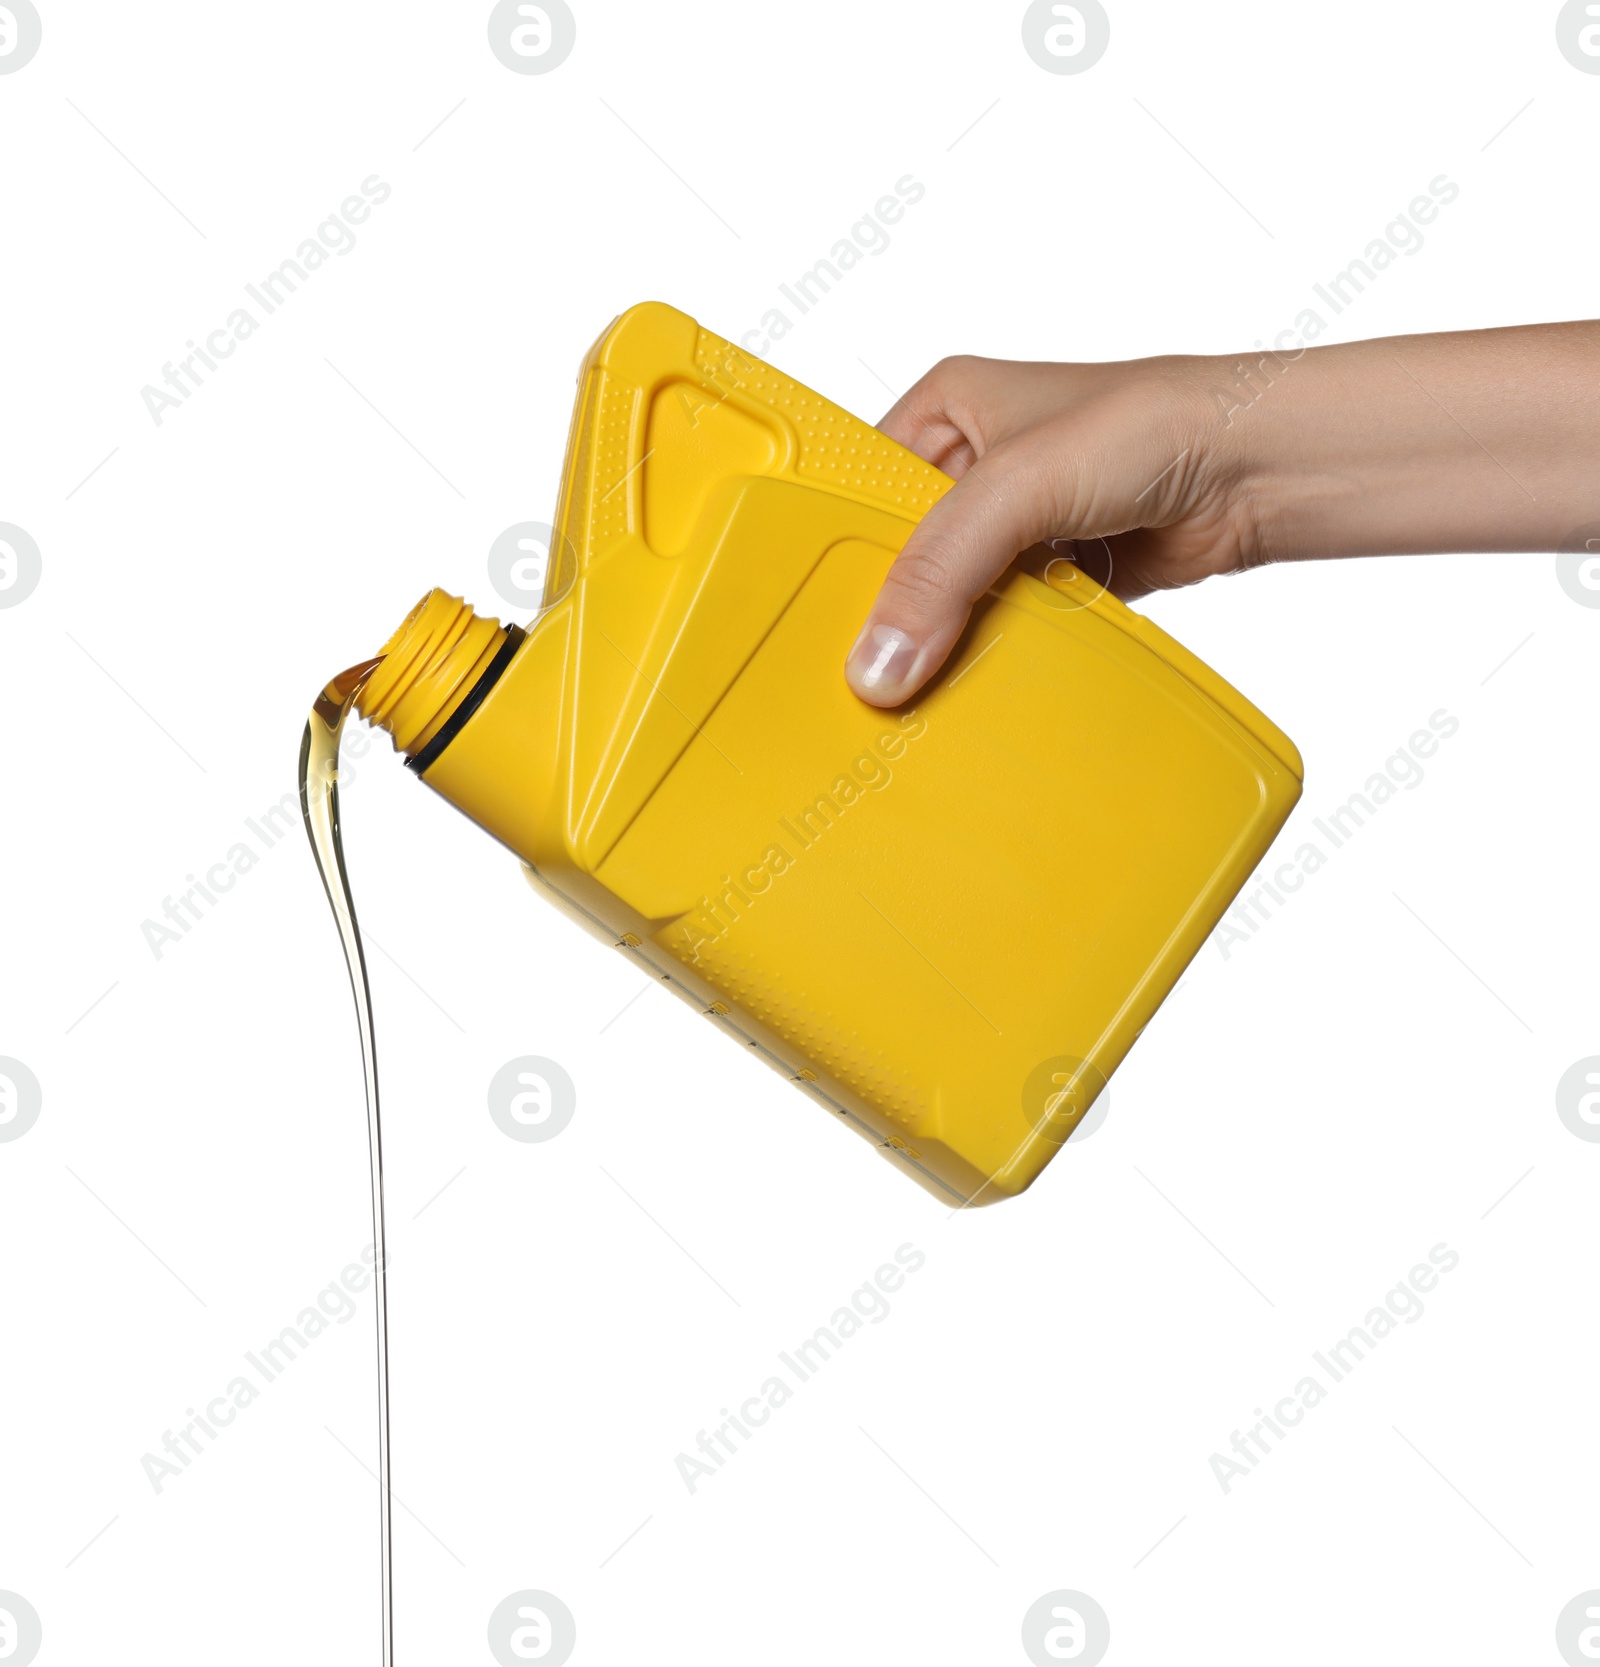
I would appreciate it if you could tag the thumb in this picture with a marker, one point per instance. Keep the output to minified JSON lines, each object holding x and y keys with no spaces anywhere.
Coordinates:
{"x":963,"y":544}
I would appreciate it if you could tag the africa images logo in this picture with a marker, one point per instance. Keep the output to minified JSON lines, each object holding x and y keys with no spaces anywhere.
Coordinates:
{"x":1578,"y":564}
{"x":20,"y":34}
{"x":20,"y":1631}
{"x":1578,"y":36}
{"x":532,"y":39}
{"x":20,"y":565}
{"x":1066,"y":39}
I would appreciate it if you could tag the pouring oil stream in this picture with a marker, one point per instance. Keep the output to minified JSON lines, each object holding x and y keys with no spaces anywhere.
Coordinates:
{"x":319,"y":804}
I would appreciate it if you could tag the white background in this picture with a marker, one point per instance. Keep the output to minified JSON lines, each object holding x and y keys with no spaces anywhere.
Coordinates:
{"x":1304,"y":1120}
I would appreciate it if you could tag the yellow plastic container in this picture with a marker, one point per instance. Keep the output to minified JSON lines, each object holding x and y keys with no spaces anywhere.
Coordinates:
{"x":947,"y":924}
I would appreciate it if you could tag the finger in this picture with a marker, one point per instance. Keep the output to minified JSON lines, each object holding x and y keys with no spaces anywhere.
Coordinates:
{"x":923,"y":409}
{"x":956,"y":552}
{"x":966,"y":407}
{"x":1136,"y":564}
{"x":946,"y":447}
{"x":938,"y":417}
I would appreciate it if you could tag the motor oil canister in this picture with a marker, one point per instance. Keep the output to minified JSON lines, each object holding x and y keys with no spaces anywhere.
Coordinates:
{"x":946,"y":924}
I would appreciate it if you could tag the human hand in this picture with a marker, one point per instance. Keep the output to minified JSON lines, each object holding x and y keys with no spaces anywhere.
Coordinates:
{"x":1156,"y":473}
{"x":1107,"y":463}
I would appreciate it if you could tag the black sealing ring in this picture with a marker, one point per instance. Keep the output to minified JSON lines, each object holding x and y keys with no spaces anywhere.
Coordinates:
{"x":475,"y":697}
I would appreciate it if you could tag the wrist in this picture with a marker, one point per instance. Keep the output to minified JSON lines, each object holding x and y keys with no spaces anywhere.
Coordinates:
{"x":1293,"y":450}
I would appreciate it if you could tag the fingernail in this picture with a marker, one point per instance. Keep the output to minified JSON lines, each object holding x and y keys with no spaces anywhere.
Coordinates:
{"x":881,"y":661}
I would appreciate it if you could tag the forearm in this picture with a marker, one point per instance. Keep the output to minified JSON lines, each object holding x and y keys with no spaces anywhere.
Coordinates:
{"x":1479,"y":440}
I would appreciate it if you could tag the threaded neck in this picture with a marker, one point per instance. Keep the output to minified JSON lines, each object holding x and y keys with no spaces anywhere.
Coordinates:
{"x":428,"y":666}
